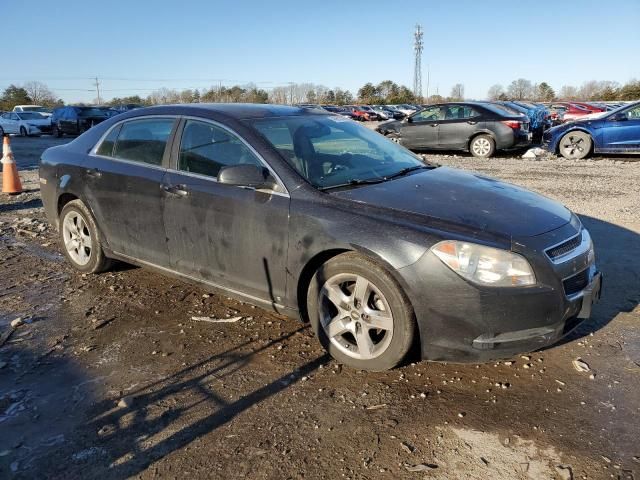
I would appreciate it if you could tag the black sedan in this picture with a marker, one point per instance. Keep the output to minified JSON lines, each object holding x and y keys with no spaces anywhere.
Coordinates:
{"x":478,"y":127}
{"x":73,"y":120}
{"x":315,"y":216}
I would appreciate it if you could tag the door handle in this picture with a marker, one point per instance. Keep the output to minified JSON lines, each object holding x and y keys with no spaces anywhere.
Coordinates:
{"x":93,"y":173}
{"x":472,"y":123}
{"x":175,"y":190}
{"x":433,"y":124}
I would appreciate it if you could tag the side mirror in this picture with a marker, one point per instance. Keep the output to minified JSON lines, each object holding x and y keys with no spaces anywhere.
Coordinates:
{"x":619,"y":117}
{"x":247,"y":175}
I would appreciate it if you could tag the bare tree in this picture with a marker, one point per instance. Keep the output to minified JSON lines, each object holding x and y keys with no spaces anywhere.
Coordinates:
{"x":520,"y":89}
{"x":40,"y":94}
{"x":496,"y":92}
{"x":568,"y":92}
{"x":457,"y":92}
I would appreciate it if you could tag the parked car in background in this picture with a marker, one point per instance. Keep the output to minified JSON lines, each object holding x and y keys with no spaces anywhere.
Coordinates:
{"x":385,"y":113}
{"x":24,"y":123}
{"x":405,"y":109}
{"x":372,"y":115}
{"x":358,"y":113}
{"x":125,"y":107}
{"x":617,"y":131}
{"x":33,"y":108}
{"x":571,"y":111}
{"x":329,"y":222}
{"x":340,"y":111}
{"x":72,"y":120}
{"x":478,"y":127}
{"x":539,"y":117}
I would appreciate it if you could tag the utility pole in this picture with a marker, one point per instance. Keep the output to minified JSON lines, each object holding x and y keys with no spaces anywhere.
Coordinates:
{"x":417,"y":70}
{"x":428,"y":78}
{"x":97,"y":84}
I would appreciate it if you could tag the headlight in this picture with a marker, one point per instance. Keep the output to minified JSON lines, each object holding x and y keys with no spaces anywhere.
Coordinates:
{"x":485,"y":265}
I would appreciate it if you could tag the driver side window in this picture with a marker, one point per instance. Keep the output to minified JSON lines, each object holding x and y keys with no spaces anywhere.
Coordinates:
{"x":430,"y":114}
{"x":634,"y":113}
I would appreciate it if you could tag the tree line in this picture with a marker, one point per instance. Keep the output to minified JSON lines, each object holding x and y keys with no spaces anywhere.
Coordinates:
{"x":385,"y":92}
{"x":594,"y":90}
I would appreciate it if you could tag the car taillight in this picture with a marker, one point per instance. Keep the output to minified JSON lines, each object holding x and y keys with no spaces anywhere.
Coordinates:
{"x":514,"y":124}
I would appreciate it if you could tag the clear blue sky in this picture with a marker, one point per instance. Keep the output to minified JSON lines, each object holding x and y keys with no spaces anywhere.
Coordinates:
{"x":135,"y":46}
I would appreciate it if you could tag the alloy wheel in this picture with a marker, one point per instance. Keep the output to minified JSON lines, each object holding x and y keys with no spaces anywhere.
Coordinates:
{"x":355,"y":316}
{"x":77,"y":238}
{"x":481,"y":147}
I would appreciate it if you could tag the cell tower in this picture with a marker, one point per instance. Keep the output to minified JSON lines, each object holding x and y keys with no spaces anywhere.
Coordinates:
{"x":417,"y":71}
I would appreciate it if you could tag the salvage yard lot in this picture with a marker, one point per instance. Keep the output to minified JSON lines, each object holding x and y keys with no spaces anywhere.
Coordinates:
{"x":110,"y":377}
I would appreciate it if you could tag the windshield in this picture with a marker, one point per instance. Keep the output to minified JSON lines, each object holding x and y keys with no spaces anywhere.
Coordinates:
{"x":34,"y":109}
{"x":93,"y":112}
{"x":30,"y":116}
{"x":330,"y":151}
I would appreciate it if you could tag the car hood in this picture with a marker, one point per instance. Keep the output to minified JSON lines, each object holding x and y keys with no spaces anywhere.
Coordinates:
{"x":467,"y":199}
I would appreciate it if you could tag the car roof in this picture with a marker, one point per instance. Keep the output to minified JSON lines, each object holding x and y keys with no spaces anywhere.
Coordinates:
{"x":236,"y":111}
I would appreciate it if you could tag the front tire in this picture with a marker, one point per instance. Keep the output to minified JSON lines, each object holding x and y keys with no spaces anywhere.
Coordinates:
{"x":575,"y":145}
{"x":360,"y":314}
{"x":80,"y":239}
{"x":482,"y":146}
{"x":23,"y":132}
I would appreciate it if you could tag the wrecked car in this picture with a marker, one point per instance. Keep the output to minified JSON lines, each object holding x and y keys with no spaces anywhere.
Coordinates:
{"x":314,"y":216}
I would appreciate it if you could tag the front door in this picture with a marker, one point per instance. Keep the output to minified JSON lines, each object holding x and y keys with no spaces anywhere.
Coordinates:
{"x":421,"y":129}
{"x":623,"y":135}
{"x":10,"y":123}
{"x":231,"y":236}
{"x":459,"y":124}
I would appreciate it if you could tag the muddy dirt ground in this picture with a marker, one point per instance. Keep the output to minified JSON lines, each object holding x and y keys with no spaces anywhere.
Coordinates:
{"x":109,"y":377}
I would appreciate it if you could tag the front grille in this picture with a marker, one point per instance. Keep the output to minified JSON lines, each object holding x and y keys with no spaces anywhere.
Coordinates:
{"x":576,"y":283}
{"x":565,"y":247}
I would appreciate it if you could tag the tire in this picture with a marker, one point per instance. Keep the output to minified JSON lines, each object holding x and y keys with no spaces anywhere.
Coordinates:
{"x":575,"y":145}
{"x":55,"y":131}
{"x":355,"y":342}
{"x":80,"y":239}
{"x":1,"y":132}
{"x":482,"y":146}
{"x":23,"y":132}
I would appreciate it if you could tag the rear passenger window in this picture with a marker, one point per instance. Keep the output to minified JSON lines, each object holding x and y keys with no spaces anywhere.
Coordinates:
{"x":205,"y":149}
{"x":143,"y":140}
{"x":106,"y":147}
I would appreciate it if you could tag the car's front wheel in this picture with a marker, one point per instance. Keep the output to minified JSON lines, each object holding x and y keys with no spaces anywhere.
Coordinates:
{"x":360,"y":314}
{"x":482,"y":146}
{"x":575,"y":145}
{"x":80,"y":239}
{"x":23,"y":132}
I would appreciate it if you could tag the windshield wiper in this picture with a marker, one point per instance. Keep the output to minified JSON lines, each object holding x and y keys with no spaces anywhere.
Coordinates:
{"x":354,"y":182}
{"x":404,"y":171}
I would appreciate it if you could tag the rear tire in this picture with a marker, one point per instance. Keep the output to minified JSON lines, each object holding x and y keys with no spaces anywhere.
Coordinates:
{"x":575,"y":145}
{"x":1,"y":132}
{"x":55,"y":131}
{"x":360,"y":314}
{"x":482,"y":146}
{"x":80,"y":239}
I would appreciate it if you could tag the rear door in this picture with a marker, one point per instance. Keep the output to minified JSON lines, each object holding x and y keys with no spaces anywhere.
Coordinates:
{"x":231,"y":236}
{"x":623,"y":135}
{"x":421,"y":129}
{"x":124,"y":178}
{"x":459,"y":124}
{"x":10,"y":123}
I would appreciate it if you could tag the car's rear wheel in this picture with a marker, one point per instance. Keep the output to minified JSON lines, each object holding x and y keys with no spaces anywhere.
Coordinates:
{"x":55,"y":131}
{"x":482,"y":146}
{"x":1,"y":132}
{"x":23,"y":132}
{"x":80,"y":239}
{"x":360,"y":314}
{"x":575,"y":145}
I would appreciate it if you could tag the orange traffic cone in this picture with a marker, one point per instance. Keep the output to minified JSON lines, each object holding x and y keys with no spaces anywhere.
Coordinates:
{"x":10,"y":178}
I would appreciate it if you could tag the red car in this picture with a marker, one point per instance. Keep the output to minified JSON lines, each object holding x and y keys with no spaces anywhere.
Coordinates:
{"x":361,"y":114}
{"x":571,"y":110}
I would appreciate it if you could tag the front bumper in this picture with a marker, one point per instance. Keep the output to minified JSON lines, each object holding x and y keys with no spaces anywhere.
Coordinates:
{"x":462,"y":322}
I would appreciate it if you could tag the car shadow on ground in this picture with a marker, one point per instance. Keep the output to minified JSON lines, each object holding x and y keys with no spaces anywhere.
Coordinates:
{"x":617,"y":253}
{"x":175,"y":428}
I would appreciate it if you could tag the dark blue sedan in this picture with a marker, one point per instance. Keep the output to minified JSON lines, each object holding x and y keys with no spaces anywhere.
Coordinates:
{"x":617,"y":131}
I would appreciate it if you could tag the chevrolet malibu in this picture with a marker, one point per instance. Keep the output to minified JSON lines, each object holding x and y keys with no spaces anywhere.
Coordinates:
{"x":314,"y":216}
